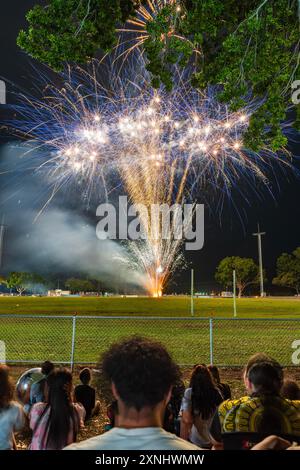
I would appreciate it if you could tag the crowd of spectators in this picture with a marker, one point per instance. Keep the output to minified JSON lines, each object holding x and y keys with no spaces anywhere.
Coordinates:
{"x":152,"y":408}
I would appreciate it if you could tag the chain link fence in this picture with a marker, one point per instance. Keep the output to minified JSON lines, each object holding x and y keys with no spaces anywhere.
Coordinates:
{"x":81,"y":339}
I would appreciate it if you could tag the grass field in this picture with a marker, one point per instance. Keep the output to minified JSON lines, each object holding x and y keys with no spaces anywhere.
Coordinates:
{"x":166,"y":306}
{"x":35,"y":339}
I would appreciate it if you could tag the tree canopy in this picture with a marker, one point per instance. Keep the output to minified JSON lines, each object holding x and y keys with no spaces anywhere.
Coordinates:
{"x":247,"y":272}
{"x":73,"y":30}
{"x":288,"y":271}
{"x":79,"y":285}
{"x":22,"y":281}
{"x":245,"y":48}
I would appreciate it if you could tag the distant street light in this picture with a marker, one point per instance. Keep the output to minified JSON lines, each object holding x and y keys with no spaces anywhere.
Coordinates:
{"x":259,"y":234}
{"x":234,"y":293}
{"x":192,"y":292}
{"x":2,"y":233}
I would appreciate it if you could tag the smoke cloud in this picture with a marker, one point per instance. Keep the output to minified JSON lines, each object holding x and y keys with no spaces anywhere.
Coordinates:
{"x":62,"y":238}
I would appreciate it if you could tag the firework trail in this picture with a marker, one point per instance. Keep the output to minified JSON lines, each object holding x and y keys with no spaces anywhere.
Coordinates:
{"x":135,"y":32}
{"x":160,"y":147}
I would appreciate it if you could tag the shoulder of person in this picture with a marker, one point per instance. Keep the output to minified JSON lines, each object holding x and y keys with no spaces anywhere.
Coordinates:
{"x":106,"y":441}
{"x":174,"y":442}
{"x":94,"y":443}
{"x":15,"y":405}
{"x":15,"y":408}
{"x":229,"y":404}
{"x":37,"y":408}
{"x":80,"y":387}
{"x":35,"y":413}
{"x":295,"y":403}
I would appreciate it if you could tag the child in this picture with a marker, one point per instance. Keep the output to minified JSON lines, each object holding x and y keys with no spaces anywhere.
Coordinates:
{"x":86,"y":395}
{"x":55,"y":424}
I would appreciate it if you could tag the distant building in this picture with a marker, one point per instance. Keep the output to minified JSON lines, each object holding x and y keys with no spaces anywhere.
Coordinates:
{"x":201,"y":294}
{"x":226,"y":294}
{"x":59,"y":293}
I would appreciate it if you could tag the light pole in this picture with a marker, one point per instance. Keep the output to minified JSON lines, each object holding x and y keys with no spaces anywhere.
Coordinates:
{"x":259,"y":234}
{"x":234,"y":293}
{"x":2,"y":233}
{"x":192,"y":292}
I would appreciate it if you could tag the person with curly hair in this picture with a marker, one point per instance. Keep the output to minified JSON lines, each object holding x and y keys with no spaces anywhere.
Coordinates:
{"x":141,"y":373}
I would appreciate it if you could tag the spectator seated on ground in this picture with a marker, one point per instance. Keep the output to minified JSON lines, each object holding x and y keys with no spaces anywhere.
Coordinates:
{"x":38,"y":389}
{"x":12,"y":417}
{"x":171,"y":419}
{"x":290,"y":389}
{"x":262,"y":413}
{"x":56,"y":423}
{"x":86,"y":395}
{"x":199,"y":405}
{"x":142,"y":374}
{"x":223,"y":387}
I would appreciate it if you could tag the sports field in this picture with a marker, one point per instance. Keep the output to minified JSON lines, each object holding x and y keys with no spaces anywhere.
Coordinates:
{"x":261,"y":325}
{"x":166,"y":306}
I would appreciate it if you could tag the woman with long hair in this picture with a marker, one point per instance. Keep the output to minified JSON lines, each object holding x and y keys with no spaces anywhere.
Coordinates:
{"x":55,"y":424}
{"x":12,"y":417}
{"x":199,"y":405}
{"x":223,"y":387}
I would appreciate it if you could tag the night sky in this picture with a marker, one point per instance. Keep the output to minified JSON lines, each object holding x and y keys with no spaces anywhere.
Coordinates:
{"x":226,"y":233}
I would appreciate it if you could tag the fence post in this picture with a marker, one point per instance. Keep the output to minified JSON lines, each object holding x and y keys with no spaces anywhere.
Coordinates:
{"x":211,"y":341}
{"x":73,"y":342}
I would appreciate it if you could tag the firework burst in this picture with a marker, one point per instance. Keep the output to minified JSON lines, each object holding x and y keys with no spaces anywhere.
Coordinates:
{"x":136,"y":31}
{"x":161,"y":147}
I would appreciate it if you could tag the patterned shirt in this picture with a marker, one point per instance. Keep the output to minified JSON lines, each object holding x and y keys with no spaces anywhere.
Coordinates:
{"x":247,"y":414}
{"x":38,"y":426}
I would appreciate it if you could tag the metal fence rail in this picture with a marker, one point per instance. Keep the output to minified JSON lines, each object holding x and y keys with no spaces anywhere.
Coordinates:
{"x":81,"y":339}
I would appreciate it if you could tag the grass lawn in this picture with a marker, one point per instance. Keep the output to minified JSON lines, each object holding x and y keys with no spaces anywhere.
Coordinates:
{"x":166,"y":306}
{"x":36,"y":339}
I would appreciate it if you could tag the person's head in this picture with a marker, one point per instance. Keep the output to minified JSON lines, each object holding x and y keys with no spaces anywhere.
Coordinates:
{"x":60,"y":385}
{"x":290,"y":389}
{"x":256,"y":359}
{"x":195,"y":367}
{"x":6,"y":387}
{"x":265,"y":378}
{"x":85,"y":376}
{"x":142,"y":374}
{"x":47,"y":367}
{"x":215,"y":373}
{"x":205,"y":395}
{"x":59,"y":400}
